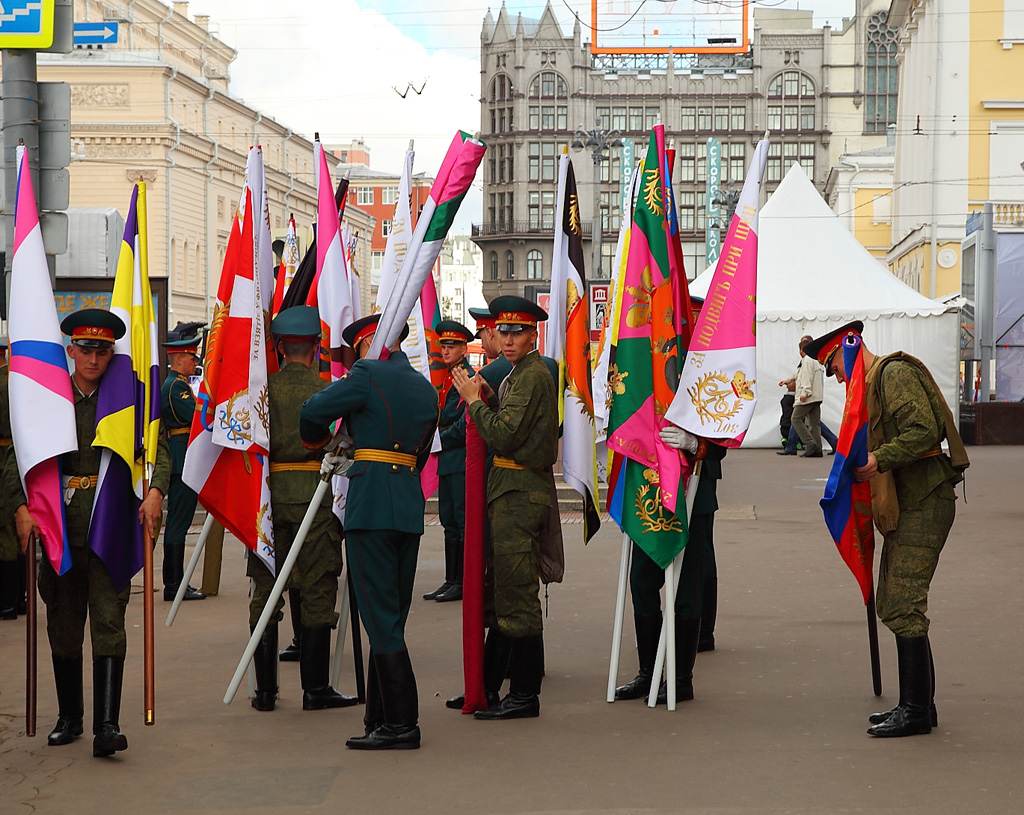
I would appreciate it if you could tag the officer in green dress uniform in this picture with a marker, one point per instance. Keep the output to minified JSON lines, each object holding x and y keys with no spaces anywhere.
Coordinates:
{"x":913,"y":504}
{"x":12,"y":594}
{"x":294,"y":476}
{"x":523,"y":431}
{"x":451,"y":462}
{"x":86,"y":588}
{"x":178,"y":403}
{"x":390,"y":411}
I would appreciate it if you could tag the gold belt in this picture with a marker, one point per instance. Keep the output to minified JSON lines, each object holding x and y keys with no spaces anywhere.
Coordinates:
{"x":82,"y":482}
{"x":294,"y":466}
{"x":510,"y":464}
{"x":6,"y":442}
{"x":385,"y":457}
{"x":935,"y":451}
{"x":178,"y":431}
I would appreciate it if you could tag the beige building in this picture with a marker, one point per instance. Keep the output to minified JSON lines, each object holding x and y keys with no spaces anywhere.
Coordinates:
{"x":157,"y":105}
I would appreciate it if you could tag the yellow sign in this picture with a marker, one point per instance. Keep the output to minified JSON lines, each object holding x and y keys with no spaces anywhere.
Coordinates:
{"x":26,"y":24}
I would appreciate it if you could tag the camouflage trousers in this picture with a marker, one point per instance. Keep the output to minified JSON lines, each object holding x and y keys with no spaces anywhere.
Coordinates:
{"x":517,"y":522}
{"x":910,"y":554}
{"x":646,"y":578}
{"x":316,"y":569}
{"x":85,"y":588}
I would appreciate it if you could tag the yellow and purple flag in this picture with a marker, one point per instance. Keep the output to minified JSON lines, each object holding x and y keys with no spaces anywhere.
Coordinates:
{"x":127,"y":408}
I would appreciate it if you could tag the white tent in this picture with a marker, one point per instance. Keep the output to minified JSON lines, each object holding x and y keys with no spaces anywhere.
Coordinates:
{"x":813,"y":275}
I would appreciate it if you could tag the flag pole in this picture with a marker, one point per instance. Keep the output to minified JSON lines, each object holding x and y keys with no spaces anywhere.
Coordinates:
{"x":357,"y":640}
{"x":147,"y":619}
{"x":876,"y":666}
{"x":339,"y":639}
{"x":31,"y":641}
{"x":620,"y":613}
{"x":189,"y":570}
{"x":283,"y":571}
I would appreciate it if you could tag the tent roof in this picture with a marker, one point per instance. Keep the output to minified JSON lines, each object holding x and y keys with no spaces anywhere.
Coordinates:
{"x":811,"y":268}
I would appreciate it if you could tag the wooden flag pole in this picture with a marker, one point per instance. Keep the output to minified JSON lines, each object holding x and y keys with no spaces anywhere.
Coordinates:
{"x":147,"y":619}
{"x":876,"y":666}
{"x":31,"y":654}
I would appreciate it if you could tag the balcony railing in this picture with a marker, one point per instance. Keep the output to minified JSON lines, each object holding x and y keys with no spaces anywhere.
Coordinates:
{"x":511,"y":228}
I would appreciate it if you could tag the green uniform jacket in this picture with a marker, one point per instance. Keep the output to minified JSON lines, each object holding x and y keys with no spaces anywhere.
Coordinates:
{"x":451,"y":425}
{"x":523,"y":428}
{"x":495,"y":371}
{"x":389,"y":406}
{"x":705,"y":501}
{"x":913,"y":424}
{"x":178,"y":403}
{"x":84,"y":461}
{"x":288,"y":390}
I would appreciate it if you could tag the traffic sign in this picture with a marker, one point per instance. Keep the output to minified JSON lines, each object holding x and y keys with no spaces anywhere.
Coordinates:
{"x":26,"y":24}
{"x":104,"y":33}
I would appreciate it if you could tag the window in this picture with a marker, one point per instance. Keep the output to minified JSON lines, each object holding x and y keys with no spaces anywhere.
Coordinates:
{"x":774,"y":169}
{"x":510,"y":266}
{"x":549,"y":162}
{"x":687,"y":153}
{"x":737,"y":161}
{"x":775,"y":118}
{"x":619,"y":118}
{"x":651,"y":117}
{"x":534,"y":265}
{"x":548,"y":85}
{"x":702,"y":162}
{"x":721,"y":119}
{"x":688,"y":120}
{"x":376,"y":261}
{"x":390,"y":195}
{"x":881,"y":75}
{"x":807,"y":159}
{"x":604,"y":114}
{"x":534,"y":117}
{"x":739,"y":119}
{"x":791,"y":102}
{"x":687,"y":205}
{"x":704,"y":119}
{"x":494,"y":265}
{"x":701,"y":209}
{"x":807,"y":117}
{"x":636,"y":118}
{"x":501,"y":103}
{"x":547,"y":209}
{"x":364,"y":196}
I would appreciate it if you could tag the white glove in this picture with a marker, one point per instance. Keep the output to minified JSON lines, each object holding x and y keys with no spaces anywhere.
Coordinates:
{"x":334,"y":464}
{"x":677,"y":437}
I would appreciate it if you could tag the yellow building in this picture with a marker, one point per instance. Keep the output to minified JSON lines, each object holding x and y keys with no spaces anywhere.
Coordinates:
{"x":156,"y":105}
{"x":960,"y":131}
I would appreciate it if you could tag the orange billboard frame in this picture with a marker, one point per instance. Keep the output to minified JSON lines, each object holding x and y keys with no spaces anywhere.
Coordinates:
{"x":741,"y":48}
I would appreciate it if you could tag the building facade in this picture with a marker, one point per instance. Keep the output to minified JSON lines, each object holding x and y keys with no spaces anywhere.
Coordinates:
{"x":461,"y":279}
{"x":960,"y":132}
{"x":156,"y":106}
{"x":811,"y":87}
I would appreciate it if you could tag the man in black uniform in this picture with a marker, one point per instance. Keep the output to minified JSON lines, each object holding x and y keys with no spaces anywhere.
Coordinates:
{"x":178,"y":403}
{"x":86,"y":588}
{"x":451,"y":463}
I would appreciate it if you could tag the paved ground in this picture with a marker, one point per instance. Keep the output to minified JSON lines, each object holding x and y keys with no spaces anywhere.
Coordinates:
{"x":777,"y":726}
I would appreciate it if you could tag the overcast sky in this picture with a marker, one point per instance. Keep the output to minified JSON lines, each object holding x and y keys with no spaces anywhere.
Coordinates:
{"x":331,"y":66}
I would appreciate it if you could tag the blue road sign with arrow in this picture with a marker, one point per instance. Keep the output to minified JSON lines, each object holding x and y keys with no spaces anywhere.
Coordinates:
{"x":104,"y":33}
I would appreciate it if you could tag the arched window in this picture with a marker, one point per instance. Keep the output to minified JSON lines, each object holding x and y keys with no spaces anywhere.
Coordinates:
{"x":549,"y":102}
{"x":494,"y":265}
{"x":510,"y":266}
{"x":881,"y":75}
{"x":501,"y":103}
{"x":534,"y":265}
{"x":791,"y":102}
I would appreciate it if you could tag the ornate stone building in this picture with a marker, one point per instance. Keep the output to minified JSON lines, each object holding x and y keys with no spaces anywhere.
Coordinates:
{"x":157,"y":105}
{"x":817,"y":90}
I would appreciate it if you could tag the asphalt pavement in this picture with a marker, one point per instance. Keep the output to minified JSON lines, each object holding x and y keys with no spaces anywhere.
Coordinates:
{"x":777,"y":726}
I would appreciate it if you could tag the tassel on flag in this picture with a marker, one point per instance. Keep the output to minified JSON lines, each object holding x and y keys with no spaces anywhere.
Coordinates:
{"x":847,"y":502}
{"x":42,"y":401}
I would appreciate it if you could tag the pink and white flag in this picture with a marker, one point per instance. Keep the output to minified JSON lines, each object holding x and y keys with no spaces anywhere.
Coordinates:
{"x":718,"y":386}
{"x":42,"y":402}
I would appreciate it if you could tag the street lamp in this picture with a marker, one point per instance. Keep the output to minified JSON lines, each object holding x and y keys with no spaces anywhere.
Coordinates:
{"x":598,"y":140}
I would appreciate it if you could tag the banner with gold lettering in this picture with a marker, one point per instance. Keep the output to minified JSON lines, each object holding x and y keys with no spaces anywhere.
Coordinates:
{"x":718,"y":387}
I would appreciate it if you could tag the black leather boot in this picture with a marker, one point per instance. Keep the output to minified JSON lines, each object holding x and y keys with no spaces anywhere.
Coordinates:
{"x":401,"y":707}
{"x":107,"y":676}
{"x":708,"y":615}
{"x":315,"y":670}
{"x":911,"y":716}
{"x":265,"y":662}
{"x":497,"y":651}
{"x":292,"y":652}
{"x":687,"y":635}
{"x":648,"y":632}
{"x":174,"y":572}
{"x":8,"y":589}
{"x":878,"y":718}
{"x":454,"y":592}
{"x":373,"y":716}
{"x":449,"y":570}
{"x":67,"y":675}
{"x":523,"y":699}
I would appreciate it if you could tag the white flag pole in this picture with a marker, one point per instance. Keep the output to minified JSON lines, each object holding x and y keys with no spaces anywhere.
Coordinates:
{"x":620,"y":611}
{"x":189,"y":570}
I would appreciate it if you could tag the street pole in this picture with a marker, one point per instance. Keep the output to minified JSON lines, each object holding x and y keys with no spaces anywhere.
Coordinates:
{"x":598,"y":140}
{"x":985,"y":300}
{"x":20,"y":126}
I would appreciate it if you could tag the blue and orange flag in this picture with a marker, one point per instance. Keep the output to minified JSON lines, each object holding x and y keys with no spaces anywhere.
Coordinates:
{"x":847,"y":502}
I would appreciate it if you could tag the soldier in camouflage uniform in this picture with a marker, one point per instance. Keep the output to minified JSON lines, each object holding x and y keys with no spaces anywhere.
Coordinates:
{"x":86,"y":588}
{"x":390,"y":411}
{"x":178,"y":403}
{"x":294,"y":476}
{"x":908,"y":420}
{"x":524,"y":434}
{"x":11,"y":592}
{"x":451,"y":463}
